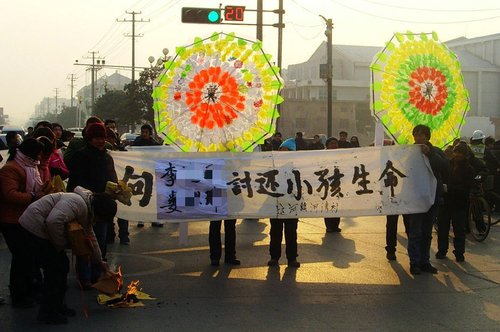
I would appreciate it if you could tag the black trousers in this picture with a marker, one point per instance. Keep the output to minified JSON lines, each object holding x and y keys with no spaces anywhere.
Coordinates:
{"x":22,"y":265}
{"x":290,"y":226}
{"x":214,"y":239}
{"x":332,"y":223}
{"x":55,"y":266}
{"x":391,"y":231}
{"x":457,"y":217}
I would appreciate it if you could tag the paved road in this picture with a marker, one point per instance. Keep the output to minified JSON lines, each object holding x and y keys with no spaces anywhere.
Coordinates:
{"x":344,"y":283}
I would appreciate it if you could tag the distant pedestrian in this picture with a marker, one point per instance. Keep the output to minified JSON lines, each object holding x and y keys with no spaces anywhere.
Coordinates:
{"x":354,"y":142}
{"x":300,"y":143}
{"x":343,"y":143}
{"x":316,"y":144}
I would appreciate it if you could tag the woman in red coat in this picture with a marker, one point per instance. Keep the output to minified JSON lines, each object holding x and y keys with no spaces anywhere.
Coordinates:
{"x":20,"y":185}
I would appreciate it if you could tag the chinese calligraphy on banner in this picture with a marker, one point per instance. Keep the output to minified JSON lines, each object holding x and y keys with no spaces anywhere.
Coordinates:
{"x":173,"y":186}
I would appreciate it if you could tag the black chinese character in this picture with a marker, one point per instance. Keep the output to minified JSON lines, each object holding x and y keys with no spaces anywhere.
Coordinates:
{"x":170,"y":175}
{"x":267,"y":181}
{"x":391,"y":180}
{"x":171,"y":203}
{"x":331,"y":183}
{"x":143,"y":185}
{"x":364,"y":182}
{"x":239,"y":183}
{"x":298,"y":183}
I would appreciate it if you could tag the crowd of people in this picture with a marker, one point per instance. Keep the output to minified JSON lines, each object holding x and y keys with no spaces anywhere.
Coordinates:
{"x":34,"y":211}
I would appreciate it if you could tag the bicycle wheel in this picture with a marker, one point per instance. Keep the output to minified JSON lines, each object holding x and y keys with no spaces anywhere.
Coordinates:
{"x":479,"y":218}
{"x":494,"y":201}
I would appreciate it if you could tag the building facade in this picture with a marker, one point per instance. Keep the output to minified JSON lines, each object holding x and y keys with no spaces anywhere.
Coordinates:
{"x":305,"y":106}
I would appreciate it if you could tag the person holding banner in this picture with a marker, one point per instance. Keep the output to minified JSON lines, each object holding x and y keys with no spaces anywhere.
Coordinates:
{"x":215,"y":242}
{"x":420,"y":224}
{"x":289,"y":225}
{"x":332,"y":223}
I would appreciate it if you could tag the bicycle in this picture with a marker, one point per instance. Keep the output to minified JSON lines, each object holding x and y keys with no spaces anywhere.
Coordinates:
{"x":493,"y":198}
{"x":479,"y":214}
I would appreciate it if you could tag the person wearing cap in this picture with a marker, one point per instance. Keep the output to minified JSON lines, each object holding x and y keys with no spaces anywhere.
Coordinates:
{"x":289,"y":225}
{"x":476,"y":144}
{"x":92,"y":167}
{"x":44,"y":226}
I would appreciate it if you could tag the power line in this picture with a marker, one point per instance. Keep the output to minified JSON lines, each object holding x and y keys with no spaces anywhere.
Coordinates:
{"x":305,"y":8}
{"x":294,"y":25}
{"x":431,"y":9}
{"x":411,"y":21}
{"x":133,"y":36}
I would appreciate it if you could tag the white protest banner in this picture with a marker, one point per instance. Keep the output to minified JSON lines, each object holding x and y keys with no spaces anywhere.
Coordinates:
{"x":173,"y":186}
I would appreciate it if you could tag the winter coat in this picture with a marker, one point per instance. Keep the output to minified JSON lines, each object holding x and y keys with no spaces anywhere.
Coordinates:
{"x":459,"y":181}
{"x":47,"y":218}
{"x":91,"y":168}
{"x":13,"y":196}
{"x":439,"y":165}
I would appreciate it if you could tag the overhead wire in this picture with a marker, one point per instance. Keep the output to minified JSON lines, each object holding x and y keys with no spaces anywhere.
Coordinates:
{"x":413,"y":21}
{"x":448,"y":10}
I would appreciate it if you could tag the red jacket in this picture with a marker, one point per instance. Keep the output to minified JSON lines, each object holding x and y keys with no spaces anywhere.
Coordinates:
{"x":13,"y":196}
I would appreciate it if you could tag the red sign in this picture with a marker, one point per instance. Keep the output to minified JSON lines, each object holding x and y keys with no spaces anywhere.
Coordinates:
{"x":234,"y":13}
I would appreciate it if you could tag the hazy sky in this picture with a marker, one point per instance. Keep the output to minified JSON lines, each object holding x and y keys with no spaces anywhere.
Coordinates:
{"x":40,"y":40}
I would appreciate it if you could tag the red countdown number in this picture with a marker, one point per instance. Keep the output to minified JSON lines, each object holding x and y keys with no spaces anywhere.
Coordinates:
{"x":234,"y":13}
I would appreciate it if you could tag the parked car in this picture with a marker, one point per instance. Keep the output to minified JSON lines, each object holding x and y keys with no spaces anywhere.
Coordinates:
{"x":76,"y":131}
{"x":128,"y":138}
{"x":5,"y":130}
{"x":19,"y":130}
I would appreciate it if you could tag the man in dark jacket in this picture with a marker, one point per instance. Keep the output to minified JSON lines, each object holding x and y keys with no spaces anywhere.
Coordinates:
{"x":146,"y":138}
{"x":420,"y":224}
{"x":92,"y":167}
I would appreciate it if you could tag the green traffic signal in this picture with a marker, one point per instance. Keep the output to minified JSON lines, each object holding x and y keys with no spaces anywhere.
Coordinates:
{"x":214,"y":16}
{"x":201,"y":15}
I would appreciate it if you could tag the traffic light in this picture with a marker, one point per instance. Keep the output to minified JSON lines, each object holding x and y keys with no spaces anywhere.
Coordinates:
{"x":201,"y":15}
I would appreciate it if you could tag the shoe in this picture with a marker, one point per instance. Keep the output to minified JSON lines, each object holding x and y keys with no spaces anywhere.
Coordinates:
{"x":459,"y":257}
{"x":273,"y":262}
{"x":233,"y":261}
{"x":157,"y":224}
{"x":52,"y":318}
{"x":441,"y":255}
{"x":428,"y":268}
{"x":214,"y":262}
{"x":391,"y":256}
{"x":66,"y":311}
{"x":415,"y":270}
{"x":125,"y":242}
{"x":293,"y":263}
{"x":140,"y":224}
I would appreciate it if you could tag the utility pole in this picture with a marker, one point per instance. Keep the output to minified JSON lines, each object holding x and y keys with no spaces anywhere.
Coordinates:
{"x":72,"y":79}
{"x":48,"y":105}
{"x":56,"y":90}
{"x":92,"y":86}
{"x":329,"y":78}
{"x":259,"y":20}
{"x":133,"y":35}
{"x":280,"y":27}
